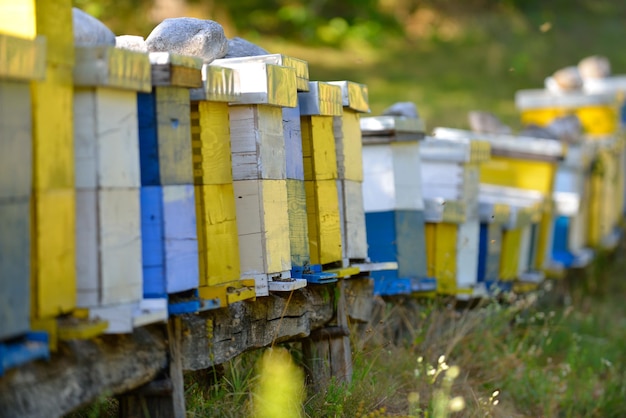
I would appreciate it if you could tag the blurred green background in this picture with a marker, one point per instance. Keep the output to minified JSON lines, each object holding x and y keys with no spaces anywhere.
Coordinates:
{"x":446,"y":56}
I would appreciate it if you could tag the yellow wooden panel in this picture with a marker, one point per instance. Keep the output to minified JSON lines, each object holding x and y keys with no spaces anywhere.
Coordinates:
{"x":218,"y":243}
{"x":598,"y":120}
{"x":352,"y":144}
{"x":318,"y":148}
{"x":53,"y":130}
{"x":51,"y":18}
{"x":53,"y":249}
{"x":509,"y":258}
{"x":521,"y":173}
{"x":445,"y":258}
{"x":546,"y":227}
{"x":323,"y":221}
{"x":594,"y":232}
{"x":276,"y":225}
{"x":210,"y":141}
{"x":298,"y":228}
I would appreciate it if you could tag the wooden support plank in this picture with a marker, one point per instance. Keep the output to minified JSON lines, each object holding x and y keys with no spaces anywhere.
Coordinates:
{"x":353,"y":223}
{"x":258,"y":144}
{"x":292,"y":132}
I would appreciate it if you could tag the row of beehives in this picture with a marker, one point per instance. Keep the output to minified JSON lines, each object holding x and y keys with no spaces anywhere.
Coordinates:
{"x":160,"y":186}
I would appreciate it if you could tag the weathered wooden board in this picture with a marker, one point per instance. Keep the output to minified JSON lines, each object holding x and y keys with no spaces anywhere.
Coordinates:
{"x":323,"y":221}
{"x":109,"y":266}
{"x":16,"y":155}
{"x":510,"y":254}
{"x":379,"y":189}
{"x":165,"y":136}
{"x":53,"y":253}
{"x":82,"y":372}
{"x":263,"y":226}
{"x":318,"y":148}
{"x":352,"y":218}
{"x":292,"y":132}
{"x":348,"y":145}
{"x":407,"y":172}
{"x":468,"y":235}
{"x":410,"y":243}
{"x":258,"y":144}
{"x":106,"y":142}
{"x":14,"y":267}
{"x":490,"y":250}
{"x":218,"y":242}
{"x":441,"y":253}
{"x":210,"y":136}
{"x":169,"y":239}
{"x":298,"y":226}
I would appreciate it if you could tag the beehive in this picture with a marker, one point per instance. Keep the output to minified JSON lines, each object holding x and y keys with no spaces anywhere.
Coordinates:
{"x":218,"y":243}
{"x":21,"y":61}
{"x":450,"y":174}
{"x":106,"y":156}
{"x":524,"y":163}
{"x":493,"y":217}
{"x":168,"y":224}
{"x":259,"y":172}
{"x":347,"y":133}
{"x":394,"y":205}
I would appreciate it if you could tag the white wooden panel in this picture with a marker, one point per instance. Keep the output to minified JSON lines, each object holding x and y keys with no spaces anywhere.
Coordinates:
{"x":119,"y":317}
{"x":524,"y":250}
{"x":467,"y":253}
{"x":87,"y":252}
{"x":379,"y":192}
{"x":442,"y":173}
{"x":408,"y":176}
{"x":106,"y":138}
{"x":356,"y":240}
{"x":248,"y":206}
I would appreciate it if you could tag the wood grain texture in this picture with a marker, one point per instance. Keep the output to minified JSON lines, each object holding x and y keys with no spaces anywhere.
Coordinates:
{"x":14,"y":267}
{"x":348,"y":145}
{"x":323,"y":221}
{"x":353,"y":222}
{"x":165,"y":136}
{"x":263,"y":224}
{"x":106,"y":141}
{"x":410,"y":243}
{"x":53,"y":253}
{"x":293,"y":143}
{"x":16,"y":153}
{"x":298,"y":226}
{"x":510,"y":254}
{"x":53,"y":130}
{"x":258,"y":144}
{"x":468,"y":235}
{"x":53,"y":19}
{"x":109,"y":263}
{"x":210,"y":134}
{"x":218,"y":242}
{"x":318,"y":148}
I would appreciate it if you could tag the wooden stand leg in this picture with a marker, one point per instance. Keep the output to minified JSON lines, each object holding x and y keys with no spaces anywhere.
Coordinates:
{"x":327,"y":351}
{"x":165,"y":396}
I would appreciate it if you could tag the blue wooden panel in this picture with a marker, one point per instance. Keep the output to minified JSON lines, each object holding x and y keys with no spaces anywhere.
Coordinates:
{"x":14,"y":268}
{"x":560,"y":246}
{"x":15,"y":140}
{"x":148,"y":141}
{"x":381,"y":236}
{"x":483,"y":248}
{"x":152,"y":242}
{"x":181,"y":239}
{"x":410,"y":243}
{"x":293,"y":142}
{"x":31,"y":346}
{"x":387,"y":283}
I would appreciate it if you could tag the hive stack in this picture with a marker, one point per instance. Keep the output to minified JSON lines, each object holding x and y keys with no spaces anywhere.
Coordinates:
{"x":318,"y":106}
{"x":394,"y":205}
{"x":168,"y":218}
{"x":598,"y":114}
{"x":218,"y":242}
{"x":21,"y":61}
{"x":450,"y":177}
{"x":106,"y":154}
{"x":259,"y":172}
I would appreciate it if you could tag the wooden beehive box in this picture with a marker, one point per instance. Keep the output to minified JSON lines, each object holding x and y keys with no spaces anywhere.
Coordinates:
{"x":526,"y":163}
{"x":393,"y":203}
{"x":259,"y":172}
{"x":218,"y":242}
{"x":452,"y":244}
{"x":106,"y":156}
{"x":168,"y":211}
{"x":348,"y":147}
{"x":21,"y":61}
{"x":493,"y":216}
